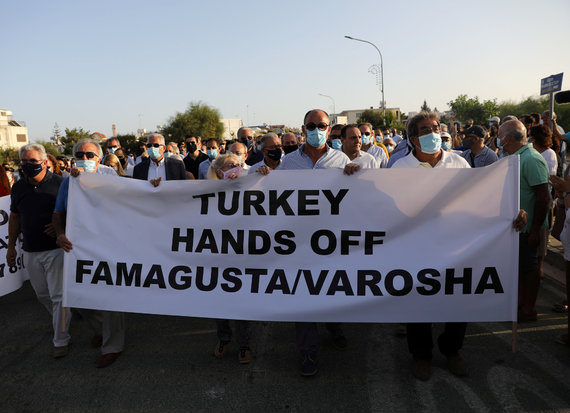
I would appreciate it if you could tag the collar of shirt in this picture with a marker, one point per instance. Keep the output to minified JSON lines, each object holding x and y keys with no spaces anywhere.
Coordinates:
{"x":524,"y":148}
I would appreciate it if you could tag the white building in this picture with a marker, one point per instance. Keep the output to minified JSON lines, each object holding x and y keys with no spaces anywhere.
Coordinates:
{"x":13,"y":134}
{"x":353,"y":115}
{"x":231,"y":127}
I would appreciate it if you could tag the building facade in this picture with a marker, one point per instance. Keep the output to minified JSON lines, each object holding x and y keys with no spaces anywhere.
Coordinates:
{"x":13,"y":134}
{"x":353,"y":115}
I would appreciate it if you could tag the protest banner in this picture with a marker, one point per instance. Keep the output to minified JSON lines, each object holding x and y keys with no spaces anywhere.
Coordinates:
{"x":11,"y":277}
{"x":387,"y":245}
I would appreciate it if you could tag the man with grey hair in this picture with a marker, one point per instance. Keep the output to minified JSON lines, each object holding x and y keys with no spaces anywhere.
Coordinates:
{"x":32,"y":204}
{"x":109,"y":326}
{"x":272,"y":151}
{"x":534,"y":199}
{"x":158,"y":167}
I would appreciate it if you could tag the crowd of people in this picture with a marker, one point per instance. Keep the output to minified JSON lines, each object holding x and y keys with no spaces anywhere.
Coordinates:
{"x":39,"y":202}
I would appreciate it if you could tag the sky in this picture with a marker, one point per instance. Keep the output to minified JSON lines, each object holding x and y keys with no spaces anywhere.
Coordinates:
{"x":91,"y":64}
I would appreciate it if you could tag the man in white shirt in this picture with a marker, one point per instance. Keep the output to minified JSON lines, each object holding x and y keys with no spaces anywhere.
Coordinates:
{"x":157,"y":167}
{"x":351,"y":138}
{"x":377,"y":151}
{"x":272,"y":151}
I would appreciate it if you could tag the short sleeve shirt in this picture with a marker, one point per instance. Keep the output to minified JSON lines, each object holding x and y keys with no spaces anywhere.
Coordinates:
{"x":448,"y":160}
{"x":35,"y":205}
{"x":63,"y":194}
{"x":533,"y":172}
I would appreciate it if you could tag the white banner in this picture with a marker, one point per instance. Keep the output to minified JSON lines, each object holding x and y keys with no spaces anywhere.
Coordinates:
{"x":388,"y":245}
{"x":11,"y":278}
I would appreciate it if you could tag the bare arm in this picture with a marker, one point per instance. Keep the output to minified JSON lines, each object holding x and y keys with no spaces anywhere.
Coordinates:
{"x":540,"y":210}
{"x":58,"y":221}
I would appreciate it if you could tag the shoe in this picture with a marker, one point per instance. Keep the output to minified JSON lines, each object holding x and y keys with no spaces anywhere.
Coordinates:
{"x":457,"y":365}
{"x":560,"y":308}
{"x":309,"y":366}
{"x":244,"y":355}
{"x":59,"y":352}
{"x":107,"y":359}
{"x":96,"y":341}
{"x":221,"y":349}
{"x":421,"y":369}
{"x":563,"y":339}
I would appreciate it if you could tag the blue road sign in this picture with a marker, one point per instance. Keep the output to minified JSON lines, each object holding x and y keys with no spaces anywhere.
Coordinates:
{"x":551,"y":84}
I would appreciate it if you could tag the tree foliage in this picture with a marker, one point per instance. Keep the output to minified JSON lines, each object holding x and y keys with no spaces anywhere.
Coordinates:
{"x":130,"y":143}
{"x":465,"y":108}
{"x":374,"y":117}
{"x":199,"y":119}
{"x":425,"y":107}
{"x":72,"y":136}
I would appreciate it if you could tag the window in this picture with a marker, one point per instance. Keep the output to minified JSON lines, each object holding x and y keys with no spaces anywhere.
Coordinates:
{"x":21,"y":137}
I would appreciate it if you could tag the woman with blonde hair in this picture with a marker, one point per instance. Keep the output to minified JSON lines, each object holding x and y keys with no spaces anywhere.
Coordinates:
{"x":228,"y":167}
{"x":112,"y":161}
{"x":225,"y":167}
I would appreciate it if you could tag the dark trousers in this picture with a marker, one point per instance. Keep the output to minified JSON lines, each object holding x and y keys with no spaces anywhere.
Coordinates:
{"x":308,"y":336}
{"x":242,"y":331}
{"x":420,"y":342}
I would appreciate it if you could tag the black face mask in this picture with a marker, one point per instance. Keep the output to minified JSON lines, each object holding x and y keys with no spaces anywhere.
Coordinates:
{"x":274,"y":154}
{"x":191,"y":147}
{"x":290,"y":148}
{"x":31,"y":170}
{"x":123,"y":162}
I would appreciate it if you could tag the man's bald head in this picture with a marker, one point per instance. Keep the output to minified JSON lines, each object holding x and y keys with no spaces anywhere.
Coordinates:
{"x":309,"y":113}
{"x":514,"y":129}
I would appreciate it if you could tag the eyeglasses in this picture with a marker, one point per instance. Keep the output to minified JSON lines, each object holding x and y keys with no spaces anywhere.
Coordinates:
{"x":239,"y":153}
{"x":273,"y":147}
{"x":32,"y":161}
{"x":113,"y":146}
{"x":425,"y":130}
{"x":311,"y":126}
{"x":227,"y":167}
{"x":89,"y":155}
{"x":153,"y":145}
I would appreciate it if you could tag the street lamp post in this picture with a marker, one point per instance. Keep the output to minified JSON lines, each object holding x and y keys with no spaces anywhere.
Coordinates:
{"x":381,"y":69}
{"x":334,"y":106}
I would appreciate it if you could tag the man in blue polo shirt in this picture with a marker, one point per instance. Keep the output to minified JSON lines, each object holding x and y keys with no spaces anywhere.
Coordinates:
{"x":88,"y":156}
{"x":32,"y":203}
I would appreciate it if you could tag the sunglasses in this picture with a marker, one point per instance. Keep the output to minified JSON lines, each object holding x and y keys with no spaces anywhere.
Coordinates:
{"x":89,"y":155}
{"x":311,"y":126}
{"x":155,"y":145}
{"x":366,"y":133}
{"x":113,"y":146}
{"x":32,"y":161}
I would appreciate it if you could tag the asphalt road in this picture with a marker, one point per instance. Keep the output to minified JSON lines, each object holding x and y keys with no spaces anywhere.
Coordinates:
{"x":168,"y":365}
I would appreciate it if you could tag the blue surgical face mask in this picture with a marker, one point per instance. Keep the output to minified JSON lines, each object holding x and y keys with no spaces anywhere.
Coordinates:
{"x":212,"y":153}
{"x":87,"y":165}
{"x":258,"y":148}
{"x":167,"y":154}
{"x":378,"y":139}
{"x":499,"y":144}
{"x":113,"y":150}
{"x":446,"y":145}
{"x":153,"y":152}
{"x":336,"y":143}
{"x":365,"y":139}
{"x":430,"y":143}
{"x":316,"y":137}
